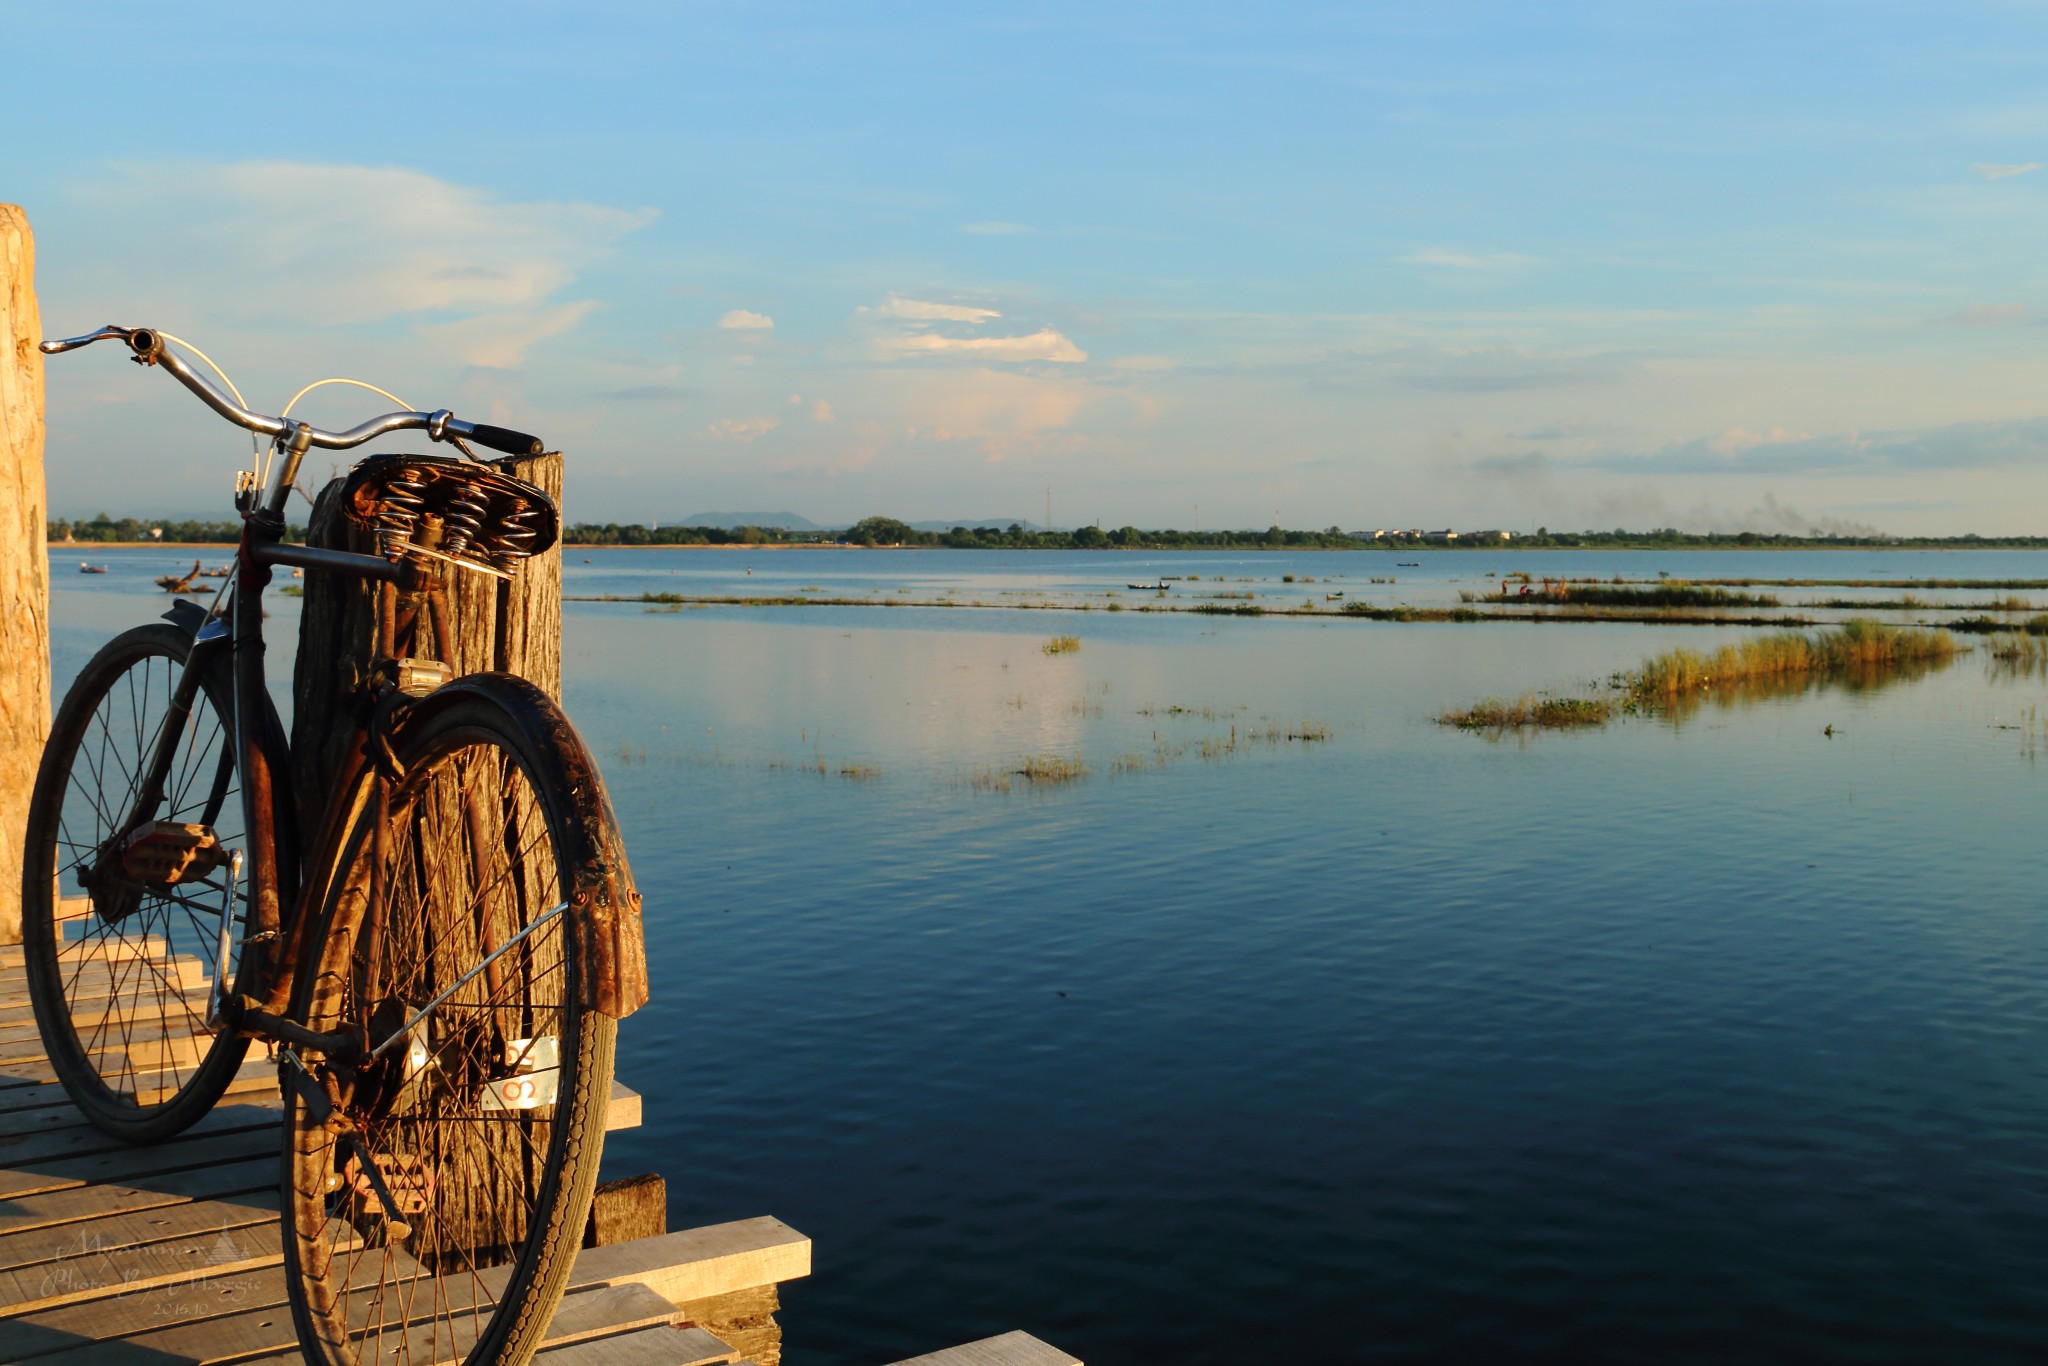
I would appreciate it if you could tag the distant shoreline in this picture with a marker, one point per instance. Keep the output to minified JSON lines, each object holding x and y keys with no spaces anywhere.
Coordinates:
{"x":86,"y":548}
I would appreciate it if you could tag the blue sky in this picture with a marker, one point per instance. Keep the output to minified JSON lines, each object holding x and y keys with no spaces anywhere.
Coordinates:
{"x":1716,"y":266}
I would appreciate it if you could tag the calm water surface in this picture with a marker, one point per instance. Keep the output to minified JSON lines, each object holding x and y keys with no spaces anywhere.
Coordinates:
{"x":1663,"y":1042}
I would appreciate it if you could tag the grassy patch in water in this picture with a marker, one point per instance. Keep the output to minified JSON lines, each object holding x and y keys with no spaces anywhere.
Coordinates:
{"x":1062,"y":645}
{"x":1853,"y":647}
{"x":1278,"y":734}
{"x":1052,"y":768}
{"x":2020,"y":647}
{"x":1531,"y":711}
{"x":1856,"y":654}
{"x":1630,"y":595}
{"x":1401,"y":613}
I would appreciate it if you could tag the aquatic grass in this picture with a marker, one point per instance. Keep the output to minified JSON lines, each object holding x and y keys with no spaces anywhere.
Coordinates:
{"x":1228,"y":609}
{"x":1854,"y":646}
{"x":1856,"y":654}
{"x":2019,"y":647}
{"x":1405,"y":613}
{"x":1274,"y":733}
{"x":1531,"y":711}
{"x":1205,"y":713}
{"x":1052,"y":768}
{"x":1583,"y":593}
{"x":1061,"y":645}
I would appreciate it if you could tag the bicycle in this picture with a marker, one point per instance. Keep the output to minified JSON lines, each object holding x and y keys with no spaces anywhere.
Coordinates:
{"x":439,"y":975}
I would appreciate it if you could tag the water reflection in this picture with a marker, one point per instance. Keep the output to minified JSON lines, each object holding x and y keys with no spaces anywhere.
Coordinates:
{"x":1780,"y":687}
{"x":1713,"y":1041}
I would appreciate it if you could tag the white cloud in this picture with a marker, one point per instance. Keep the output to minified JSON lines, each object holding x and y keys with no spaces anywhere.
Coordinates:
{"x":500,"y":340}
{"x":1445,"y":258}
{"x":2003,"y":170}
{"x":741,"y":429}
{"x":919,"y":310}
{"x":741,"y":320}
{"x":320,"y":243}
{"x":821,"y":411}
{"x":1736,"y":440}
{"x":1987,"y":315}
{"x":1044,"y":344}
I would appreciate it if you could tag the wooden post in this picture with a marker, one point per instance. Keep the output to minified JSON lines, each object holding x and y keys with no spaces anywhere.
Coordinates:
{"x":515,"y":627}
{"x":24,"y":558}
{"x":472,"y":622}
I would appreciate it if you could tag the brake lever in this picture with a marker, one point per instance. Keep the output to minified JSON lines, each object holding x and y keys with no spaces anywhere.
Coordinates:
{"x":51,"y":348}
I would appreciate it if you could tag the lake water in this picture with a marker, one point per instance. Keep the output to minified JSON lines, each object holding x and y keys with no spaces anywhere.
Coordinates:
{"x":1696,"y":1041}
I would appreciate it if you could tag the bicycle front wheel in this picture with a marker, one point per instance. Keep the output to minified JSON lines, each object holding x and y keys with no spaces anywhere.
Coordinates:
{"x":119,"y":960}
{"x":435,"y":1209}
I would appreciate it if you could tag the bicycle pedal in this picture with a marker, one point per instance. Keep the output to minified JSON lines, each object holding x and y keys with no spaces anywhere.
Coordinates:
{"x":165,"y":853}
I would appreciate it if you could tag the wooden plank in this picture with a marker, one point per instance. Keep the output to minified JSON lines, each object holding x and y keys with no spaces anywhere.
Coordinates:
{"x":184,"y":1017}
{"x":1008,"y":1349}
{"x":649,"y":1347}
{"x":697,"y":1263}
{"x":185,"y":1317}
{"x":257,"y":1074}
{"x":120,"y":1197}
{"x":217,"y":1291}
{"x":254,"y":1086}
{"x":93,"y":981}
{"x":77,"y":950}
{"x":144,"y":1055}
{"x":127,"y":1251}
{"x":130,"y":1165}
{"x":230,"y":1317}
{"x":81,"y":1139}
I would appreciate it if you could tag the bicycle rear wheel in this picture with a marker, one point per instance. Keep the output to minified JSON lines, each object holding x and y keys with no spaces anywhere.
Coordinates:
{"x":435,"y":1212}
{"x":119,"y":963}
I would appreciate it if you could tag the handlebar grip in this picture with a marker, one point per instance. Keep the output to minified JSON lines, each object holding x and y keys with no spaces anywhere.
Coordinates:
{"x":506,"y":440}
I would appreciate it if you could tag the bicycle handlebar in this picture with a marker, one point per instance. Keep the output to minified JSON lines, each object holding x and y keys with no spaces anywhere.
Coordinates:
{"x":149,"y":349}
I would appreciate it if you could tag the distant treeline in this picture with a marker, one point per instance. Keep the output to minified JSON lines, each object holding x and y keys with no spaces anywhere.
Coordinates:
{"x":885,"y":531}
{"x":1670,"y":538}
{"x":105,"y":528}
{"x":879,"y":531}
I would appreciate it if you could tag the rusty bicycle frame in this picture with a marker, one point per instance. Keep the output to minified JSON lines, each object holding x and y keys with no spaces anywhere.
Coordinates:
{"x":602,"y":908}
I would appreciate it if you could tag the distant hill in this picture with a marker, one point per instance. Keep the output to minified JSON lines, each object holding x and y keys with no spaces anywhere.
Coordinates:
{"x":788,"y":521}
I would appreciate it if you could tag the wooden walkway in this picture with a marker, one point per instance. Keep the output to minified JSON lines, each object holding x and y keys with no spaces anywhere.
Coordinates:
{"x":170,"y":1254}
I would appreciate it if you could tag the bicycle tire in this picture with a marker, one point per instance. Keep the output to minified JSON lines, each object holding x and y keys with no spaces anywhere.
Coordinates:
{"x":124,"y":1033}
{"x":494,"y":1200}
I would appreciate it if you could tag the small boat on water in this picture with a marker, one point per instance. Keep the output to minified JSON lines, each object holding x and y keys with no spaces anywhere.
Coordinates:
{"x":1158,"y":587}
{"x":1407,"y":564}
{"x":1332,"y":597}
{"x":85,"y":568}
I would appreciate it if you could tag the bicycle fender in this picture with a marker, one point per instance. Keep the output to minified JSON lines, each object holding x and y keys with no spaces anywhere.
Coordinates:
{"x":604,"y":906}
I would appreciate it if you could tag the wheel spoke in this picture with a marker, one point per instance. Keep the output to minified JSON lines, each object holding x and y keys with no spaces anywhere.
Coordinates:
{"x":466,"y":861}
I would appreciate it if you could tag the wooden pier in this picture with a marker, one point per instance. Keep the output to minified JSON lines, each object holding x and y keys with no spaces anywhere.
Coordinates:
{"x":168,"y":1254}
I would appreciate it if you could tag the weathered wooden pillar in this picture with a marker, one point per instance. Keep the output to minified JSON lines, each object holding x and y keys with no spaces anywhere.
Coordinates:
{"x":24,"y":559}
{"x":516,"y":627}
